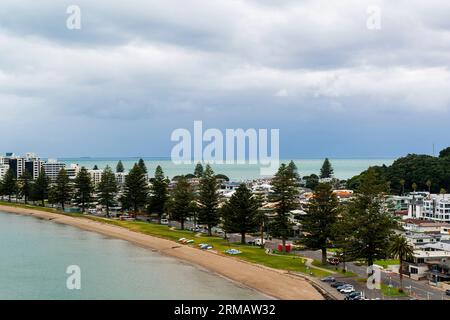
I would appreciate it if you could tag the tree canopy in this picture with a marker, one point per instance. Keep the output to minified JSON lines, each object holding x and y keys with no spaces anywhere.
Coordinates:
{"x":135,"y":189}
{"x":159,"y":193}
{"x":107,"y":189}
{"x":285,"y":192}
{"x":180,"y":205}
{"x":120,"y":167}
{"x":318,"y":225}
{"x":426,"y":172}
{"x":61,"y":191}
{"x":240,"y":212}
{"x":198,"y":171}
{"x":368,"y":220}
{"x":208,"y":199}
{"x":83,"y":188}
{"x":327,"y":170}
{"x":141,"y":164}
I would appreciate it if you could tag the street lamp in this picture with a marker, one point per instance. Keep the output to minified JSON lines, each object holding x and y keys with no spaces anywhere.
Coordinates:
{"x":390,"y":285}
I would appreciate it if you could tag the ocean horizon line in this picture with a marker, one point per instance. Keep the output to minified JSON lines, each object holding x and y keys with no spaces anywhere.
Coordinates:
{"x":194,"y":161}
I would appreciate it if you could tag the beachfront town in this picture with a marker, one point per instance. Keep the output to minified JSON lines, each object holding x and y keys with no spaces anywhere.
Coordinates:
{"x":389,"y":217}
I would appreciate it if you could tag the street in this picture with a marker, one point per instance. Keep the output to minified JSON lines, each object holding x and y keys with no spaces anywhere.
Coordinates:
{"x":416,"y":289}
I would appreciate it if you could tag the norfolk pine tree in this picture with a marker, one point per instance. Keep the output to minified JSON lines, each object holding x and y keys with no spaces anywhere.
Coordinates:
{"x":135,"y":189}
{"x":120,"y":168}
{"x":369,"y":221}
{"x":240,"y":212}
{"x":318,"y":224}
{"x":141,"y":164}
{"x":61,"y":192}
{"x":182,"y":197}
{"x":9,"y":184}
{"x":25,"y":186}
{"x":286,"y":190}
{"x":83,"y":188}
{"x":198,"y":172}
{"x":208,"y":199}
{"x":107,"y":189}
{"x":41,"y":187}
{"x":327,"y":170}
{"x":159,"y":193}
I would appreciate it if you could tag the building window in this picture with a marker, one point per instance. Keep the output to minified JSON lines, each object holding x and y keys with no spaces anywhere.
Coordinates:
{"x":413,"y":270}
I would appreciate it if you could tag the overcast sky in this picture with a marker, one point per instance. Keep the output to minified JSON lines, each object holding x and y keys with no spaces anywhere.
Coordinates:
{"x":138,"y":69}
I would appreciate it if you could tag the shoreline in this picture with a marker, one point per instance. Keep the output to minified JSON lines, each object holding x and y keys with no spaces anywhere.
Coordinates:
{"x":270,"y":282}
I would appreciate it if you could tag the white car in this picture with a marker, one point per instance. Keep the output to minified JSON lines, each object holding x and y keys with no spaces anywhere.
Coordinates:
{"x":347,"y":289}
{"x":164,"y":221}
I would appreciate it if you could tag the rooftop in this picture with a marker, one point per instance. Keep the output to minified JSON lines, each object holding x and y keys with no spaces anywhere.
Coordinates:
{"x":425,"y":223}
{"x":431,"y":254}
{"x":440,"y":246}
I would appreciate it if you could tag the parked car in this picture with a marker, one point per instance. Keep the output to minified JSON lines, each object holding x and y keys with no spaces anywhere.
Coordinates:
{"x":353,"y":295}
{"x":328,"y":279}
{"x":164,"y":221}
{"x":337,"y":284}
{"x":347,"y":289}
{"x":342,"y":286}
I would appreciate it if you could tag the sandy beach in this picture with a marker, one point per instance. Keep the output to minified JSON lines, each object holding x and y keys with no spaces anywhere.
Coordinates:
{"x":275,"y":283}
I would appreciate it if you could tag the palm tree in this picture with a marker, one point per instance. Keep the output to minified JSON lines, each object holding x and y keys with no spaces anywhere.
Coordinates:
{"x":414,"y":186}
{"x":402,"y":183}
{"x":400,"y":249}
{"x":429,"y":185}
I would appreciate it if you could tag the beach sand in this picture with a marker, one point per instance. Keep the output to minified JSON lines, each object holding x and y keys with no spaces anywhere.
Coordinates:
{"x":274,"y":283}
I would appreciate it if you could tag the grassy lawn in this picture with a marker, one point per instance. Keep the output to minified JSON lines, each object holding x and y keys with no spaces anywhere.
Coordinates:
{"x":394,"y":292}
{"x":318,"y":263}
{"x":249,"y":253}
{"x":387,"y":262}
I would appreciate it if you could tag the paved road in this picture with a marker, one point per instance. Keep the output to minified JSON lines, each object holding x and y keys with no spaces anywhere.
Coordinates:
{"x":417,"y":289}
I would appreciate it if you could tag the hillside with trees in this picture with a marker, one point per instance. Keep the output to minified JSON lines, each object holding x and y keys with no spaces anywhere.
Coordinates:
{"x":419,"y":172}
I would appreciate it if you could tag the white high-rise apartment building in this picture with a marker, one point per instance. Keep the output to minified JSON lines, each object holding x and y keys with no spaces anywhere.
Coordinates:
{"x":3,"y":169}
{"x":52,"y":168}
{"x":30,"y":163}
{"x":96,"y":175}
{"x":120,"y":178}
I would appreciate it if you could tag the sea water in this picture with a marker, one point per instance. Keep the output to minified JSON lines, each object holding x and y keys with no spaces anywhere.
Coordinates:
{"x":35,"y":255}
{"x":343,"y":168}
